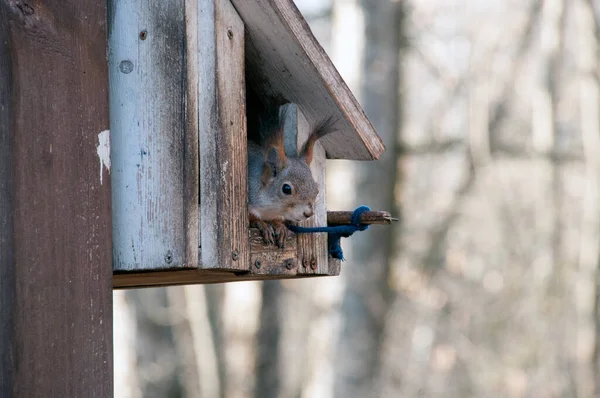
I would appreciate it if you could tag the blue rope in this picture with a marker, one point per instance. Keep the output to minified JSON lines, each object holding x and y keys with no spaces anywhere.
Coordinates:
{"x":335,"y":234}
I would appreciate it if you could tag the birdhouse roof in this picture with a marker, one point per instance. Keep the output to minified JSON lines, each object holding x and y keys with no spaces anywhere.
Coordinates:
{"x":285,"y":62}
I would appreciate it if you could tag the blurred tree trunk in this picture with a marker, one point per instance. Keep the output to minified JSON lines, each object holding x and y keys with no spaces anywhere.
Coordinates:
{"x":214,"y":304}
{"x":203,"y":343}
{"x":186,"y":370}
{"x":548,"y":284}
{"x":125,"y":356}
{"x":587,"y":305}
{"x":367,"y":295}
{"x":156,"y":360}
{"x":240,"y":323}
{"x":268,"y":366}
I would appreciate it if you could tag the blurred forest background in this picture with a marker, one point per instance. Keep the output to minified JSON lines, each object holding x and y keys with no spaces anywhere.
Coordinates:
{"x":489,"y":284}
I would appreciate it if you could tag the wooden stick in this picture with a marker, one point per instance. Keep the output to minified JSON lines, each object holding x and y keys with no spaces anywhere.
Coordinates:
{"x":368,"y":217}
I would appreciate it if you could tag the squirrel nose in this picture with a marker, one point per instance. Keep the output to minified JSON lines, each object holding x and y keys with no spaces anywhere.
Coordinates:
{"x":308,"y":214}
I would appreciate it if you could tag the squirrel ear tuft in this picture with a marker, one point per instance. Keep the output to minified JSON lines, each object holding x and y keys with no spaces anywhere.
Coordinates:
{"x":319,"y":131}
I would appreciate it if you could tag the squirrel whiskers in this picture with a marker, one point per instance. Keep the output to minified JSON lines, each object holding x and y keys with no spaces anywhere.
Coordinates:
{"x":281,"y":188}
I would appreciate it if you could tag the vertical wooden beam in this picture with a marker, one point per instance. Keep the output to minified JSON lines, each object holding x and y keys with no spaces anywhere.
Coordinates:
{"x":153,"y":88}
{"x":55,"y":220}
{"x":7,"y":265}
{"x":222,"y":125}
{"x":312,"y":256}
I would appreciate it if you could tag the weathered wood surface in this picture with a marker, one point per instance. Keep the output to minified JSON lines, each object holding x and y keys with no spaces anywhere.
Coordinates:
{"x":7,"y":264}
{"x":154,"y":152}
{"x":286,"y":63}
{"x":223,"y":151}
{"x":271,"y":260}
{"x":55,"y":220}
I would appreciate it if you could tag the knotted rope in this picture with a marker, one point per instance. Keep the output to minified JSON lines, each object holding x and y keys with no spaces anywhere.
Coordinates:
{"x":335,"y":234}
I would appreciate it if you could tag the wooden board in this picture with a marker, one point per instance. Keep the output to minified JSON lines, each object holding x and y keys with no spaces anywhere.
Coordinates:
{"x":55,"y":220}
{"x":286,"y":63}
{"x":190,"y":277}
{"x":223,"y":152}
{"x":7,"y":264}
{"x":154,"y":148}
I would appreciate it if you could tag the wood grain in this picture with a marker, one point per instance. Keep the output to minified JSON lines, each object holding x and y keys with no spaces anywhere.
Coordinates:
{"x":55,"y":219}
{"x":153,"y":89}
{"x":286,"y":63}
{"x":7,"y":264}
{"x":269,"y":259}
{"x":223,"y":152}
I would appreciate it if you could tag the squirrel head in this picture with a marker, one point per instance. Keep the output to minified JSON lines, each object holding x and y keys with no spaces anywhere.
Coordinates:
{"x":287,"y":189}
{"x":288,"y":185}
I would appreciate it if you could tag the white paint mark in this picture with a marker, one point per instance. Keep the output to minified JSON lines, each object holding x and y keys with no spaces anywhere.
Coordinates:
{"x":103,"y":150}
{"x":224,"y":171}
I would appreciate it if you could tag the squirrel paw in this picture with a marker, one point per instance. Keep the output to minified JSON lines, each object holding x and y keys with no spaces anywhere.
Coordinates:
{"x":267,"y":231}
{"x":274,"y":232}
{"x":281,"y":232}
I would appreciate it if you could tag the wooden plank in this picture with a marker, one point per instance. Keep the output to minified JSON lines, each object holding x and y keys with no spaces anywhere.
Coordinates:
{"x":271,"y":260}
{"x":223,"y":152}
{"x":286,"y":63}
{"x":153,"y":88}
{"x":194,"y":276}
{"x":55,"y":219}
{"x":192,"y":151}
{"x":7,"y":265}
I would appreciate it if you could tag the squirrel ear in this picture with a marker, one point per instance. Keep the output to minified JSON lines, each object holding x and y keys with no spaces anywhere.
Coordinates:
{"x":274,"y":163}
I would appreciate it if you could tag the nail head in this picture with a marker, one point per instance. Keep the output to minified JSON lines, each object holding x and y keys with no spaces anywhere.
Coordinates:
{"x":126,"y":67}
{"x":289,"y":263}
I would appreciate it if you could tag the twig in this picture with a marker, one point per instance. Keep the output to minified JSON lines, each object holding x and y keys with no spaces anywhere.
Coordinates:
{"x":368,"y":217}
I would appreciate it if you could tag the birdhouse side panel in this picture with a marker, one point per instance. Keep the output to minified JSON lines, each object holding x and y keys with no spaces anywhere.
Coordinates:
{"x":153,"y":138}
{"x":222,"y":128}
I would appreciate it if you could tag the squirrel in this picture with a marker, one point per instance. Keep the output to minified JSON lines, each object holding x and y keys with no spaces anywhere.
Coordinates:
{"x":281,"y":188}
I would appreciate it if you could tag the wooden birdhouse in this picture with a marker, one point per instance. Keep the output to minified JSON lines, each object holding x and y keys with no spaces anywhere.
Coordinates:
{"x":186,"y":77}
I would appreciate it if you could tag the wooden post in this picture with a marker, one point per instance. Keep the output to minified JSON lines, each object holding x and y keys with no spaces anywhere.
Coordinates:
{"x":55,"y":219}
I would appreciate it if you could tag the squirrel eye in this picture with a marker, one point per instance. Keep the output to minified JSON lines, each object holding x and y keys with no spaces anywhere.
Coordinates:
{"x":286,"y":189}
